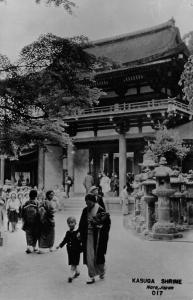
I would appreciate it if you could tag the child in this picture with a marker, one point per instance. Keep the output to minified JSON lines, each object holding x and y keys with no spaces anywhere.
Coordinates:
{"x":73,"y":247}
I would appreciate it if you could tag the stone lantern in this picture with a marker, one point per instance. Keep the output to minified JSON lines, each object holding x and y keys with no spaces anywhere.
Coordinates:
{"x":163,"y":229}
{"x":148,"y":184}
{"x":189,"y":198}
{"x":177,"y":182}
{"x":137,"y":194}
{"x":137,"y":219}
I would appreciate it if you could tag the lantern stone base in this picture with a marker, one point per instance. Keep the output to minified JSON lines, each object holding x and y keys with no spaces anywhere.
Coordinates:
{"x":165,"y":231}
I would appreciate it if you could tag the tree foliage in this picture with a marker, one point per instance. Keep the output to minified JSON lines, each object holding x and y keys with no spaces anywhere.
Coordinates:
{"x":188,"y":40}
{"x":169,"y":145}
{"x":66,"y":4}
{"x":186,"y":81}
{"x":53,"y":78}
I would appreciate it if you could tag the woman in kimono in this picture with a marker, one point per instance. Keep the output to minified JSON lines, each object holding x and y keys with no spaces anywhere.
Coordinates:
{"x":105,"y":184}
{"x":94,"y":229}
{"x":125,"y":196}
{"x":47,"y":223}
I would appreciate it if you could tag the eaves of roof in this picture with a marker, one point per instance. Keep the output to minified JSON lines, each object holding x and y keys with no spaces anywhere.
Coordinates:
{"x":142,"y":46}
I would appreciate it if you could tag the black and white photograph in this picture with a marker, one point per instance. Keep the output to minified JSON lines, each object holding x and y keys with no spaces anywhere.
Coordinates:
{"x":96,"y":149}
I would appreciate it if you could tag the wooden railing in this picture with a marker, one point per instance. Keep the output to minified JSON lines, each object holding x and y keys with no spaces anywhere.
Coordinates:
{"x":146,"y":106}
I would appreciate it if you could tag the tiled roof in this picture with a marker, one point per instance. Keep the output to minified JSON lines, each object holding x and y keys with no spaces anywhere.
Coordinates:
{"x":142,"y":46}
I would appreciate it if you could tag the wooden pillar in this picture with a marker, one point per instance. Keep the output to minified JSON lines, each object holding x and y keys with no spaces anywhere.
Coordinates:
{"x":12,"y":171}
{"x":110,"y":163}
{"x":70,"y":162}
{"x":41,"y":168}
{"x":122,"y":161}
{"x":122,"y":127}
{"x":2,"y":169}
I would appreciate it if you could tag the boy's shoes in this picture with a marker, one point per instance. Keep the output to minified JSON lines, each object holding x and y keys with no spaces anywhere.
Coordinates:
{"x":40,"y":252}
{"x":90,"y":281}
{"x":28,"y":251}
{"x":76,"y":274}
{"x":102,"y":276}
{"x":70,"y":279}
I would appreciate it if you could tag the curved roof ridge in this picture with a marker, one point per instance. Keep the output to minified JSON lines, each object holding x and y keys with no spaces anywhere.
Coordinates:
{"x":170,"y":23}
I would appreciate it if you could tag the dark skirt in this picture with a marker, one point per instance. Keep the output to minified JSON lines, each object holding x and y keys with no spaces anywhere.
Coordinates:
{"x":46,"y":239}
{"x":12,"y":216}
{"x":31,"y":238}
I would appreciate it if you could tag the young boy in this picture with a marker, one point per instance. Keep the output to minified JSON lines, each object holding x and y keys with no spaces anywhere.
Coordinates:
{"x":73,"y":246}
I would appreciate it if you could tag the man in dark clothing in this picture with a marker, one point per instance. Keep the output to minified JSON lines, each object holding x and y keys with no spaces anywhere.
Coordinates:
{"x":88,"y":182}
{"x":30,"y":217}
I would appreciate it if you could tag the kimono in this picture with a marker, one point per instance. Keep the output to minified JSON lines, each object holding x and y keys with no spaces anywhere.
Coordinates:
{"x":2,"y":207}
{"x":105,"y":184}
{"x":94,"y":233}
{"x":30,"y":217}
{"x":13,"y":210}
{"x":73,"y":247}
{"x":88,"y":182}
{"x":47,"y":224}
{"x":124,"y":198}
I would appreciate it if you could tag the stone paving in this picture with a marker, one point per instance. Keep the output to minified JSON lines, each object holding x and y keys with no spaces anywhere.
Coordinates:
{"x":44,"y":277}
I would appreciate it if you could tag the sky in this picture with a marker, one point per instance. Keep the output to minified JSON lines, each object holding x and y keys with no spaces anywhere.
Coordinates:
{"x":23,"y":21}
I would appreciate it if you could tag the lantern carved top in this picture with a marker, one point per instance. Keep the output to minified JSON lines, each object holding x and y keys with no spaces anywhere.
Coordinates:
{"x":162,"y":170}
{"x":148,"y":159}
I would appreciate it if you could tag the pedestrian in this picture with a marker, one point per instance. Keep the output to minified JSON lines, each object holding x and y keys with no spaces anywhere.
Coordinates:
{"x":47,"y":223}
{"x":97,"y":192}
{"x":69,"y":183}
{"x":5,"y":196}
{"x":116,"y":186}
{"x":12,"y":208}
{"x":27,"y":182}
{"x":73,"y":246}
{"x":124,"y":198}
{"x":30,"y":218}
{"x":88,"y":181}
{"x":112,"y":182}
{"x":94,"y":229}
{"x":129,"y":177}
{"x":2,"y":208}
{"x":21,"y":203}
{"x":105,"y":184}
{"x":98,"y":179}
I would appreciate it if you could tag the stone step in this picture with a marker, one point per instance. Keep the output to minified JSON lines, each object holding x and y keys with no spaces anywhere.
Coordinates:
{"x":77,"y":203}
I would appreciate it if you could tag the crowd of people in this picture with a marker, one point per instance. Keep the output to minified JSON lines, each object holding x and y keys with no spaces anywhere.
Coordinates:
{"x":13,"y":197}
{"x":106,"y":183}
{"x":37,"y":208}
{"x":103,"y":181}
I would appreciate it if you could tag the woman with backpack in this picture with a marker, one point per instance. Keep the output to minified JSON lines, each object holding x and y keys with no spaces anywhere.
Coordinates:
{"x":30,"y":217}
{"x":47,"y":223}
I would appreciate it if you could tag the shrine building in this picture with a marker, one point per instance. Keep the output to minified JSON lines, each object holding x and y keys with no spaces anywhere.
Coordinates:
{"x":139,"y":94}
